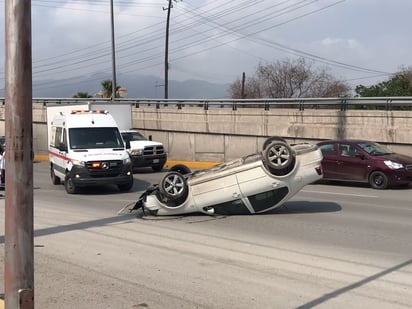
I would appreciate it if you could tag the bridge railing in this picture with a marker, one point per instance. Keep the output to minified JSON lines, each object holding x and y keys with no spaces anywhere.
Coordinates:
{"x":343,"y":104}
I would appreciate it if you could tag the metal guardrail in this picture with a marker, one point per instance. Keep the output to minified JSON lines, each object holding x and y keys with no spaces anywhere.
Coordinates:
{"x":343,"y":104}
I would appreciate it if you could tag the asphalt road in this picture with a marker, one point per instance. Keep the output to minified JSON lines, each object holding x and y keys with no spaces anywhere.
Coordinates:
{"x":331,"y":246}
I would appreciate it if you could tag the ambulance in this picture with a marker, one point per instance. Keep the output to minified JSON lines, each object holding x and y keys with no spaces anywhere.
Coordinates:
{"x":86,"y":149}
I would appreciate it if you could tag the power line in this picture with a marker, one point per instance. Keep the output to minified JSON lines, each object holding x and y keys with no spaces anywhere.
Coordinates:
{"x":96,"y":54}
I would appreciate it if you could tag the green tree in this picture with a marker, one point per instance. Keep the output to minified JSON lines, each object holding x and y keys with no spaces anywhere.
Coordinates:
{"x":289,"y":79}
{"x":399,"y":85}
{"x":82,"y":95}
{"x":107,"y":92}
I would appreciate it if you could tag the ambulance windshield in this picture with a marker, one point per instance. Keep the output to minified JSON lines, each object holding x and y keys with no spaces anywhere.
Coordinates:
{"x":91,"y":138}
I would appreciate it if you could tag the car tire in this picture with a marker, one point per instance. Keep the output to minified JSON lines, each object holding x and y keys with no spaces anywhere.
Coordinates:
{"x":157,"y":168}
{"x":55,"y":180}
{"x":271,"y":139}
{"x":378,"y":180}
{"x":173,"y":186}
{"x":70,"y":187}
{"x":126,"y":186}
{"x":181,"y":168}
{"x":279,"y":158}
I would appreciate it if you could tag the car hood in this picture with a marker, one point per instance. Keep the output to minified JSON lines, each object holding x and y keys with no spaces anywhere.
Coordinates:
{"x":142,"y":144}
{"x":400,"y":158}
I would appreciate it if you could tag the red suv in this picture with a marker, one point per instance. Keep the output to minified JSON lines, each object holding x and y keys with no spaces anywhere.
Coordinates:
{"x":365,"y":161}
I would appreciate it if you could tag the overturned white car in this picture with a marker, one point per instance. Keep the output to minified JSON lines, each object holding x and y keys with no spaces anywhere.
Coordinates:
{"x":253,"y":184}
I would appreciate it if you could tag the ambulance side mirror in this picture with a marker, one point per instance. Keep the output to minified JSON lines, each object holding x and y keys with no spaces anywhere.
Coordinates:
{"x":63,"y":147}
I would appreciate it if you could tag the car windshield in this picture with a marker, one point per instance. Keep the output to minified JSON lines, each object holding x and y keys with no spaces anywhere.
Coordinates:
{"x":133,"y":136}
{"x":374,"y":149}
{"x":90,"y":138}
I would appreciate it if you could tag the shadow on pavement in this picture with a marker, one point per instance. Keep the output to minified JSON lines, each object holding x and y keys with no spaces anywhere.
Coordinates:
{"x":80,"y":226}
{"x":303,"y":207}
{"x":355,"y":285}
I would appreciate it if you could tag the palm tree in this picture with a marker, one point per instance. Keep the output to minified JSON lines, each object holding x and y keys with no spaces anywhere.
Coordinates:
{"x":106,"y":92}
{"x":82,"y":95}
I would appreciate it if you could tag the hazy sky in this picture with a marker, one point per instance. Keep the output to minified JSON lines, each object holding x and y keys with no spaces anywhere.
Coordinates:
{"x":360,"y":41}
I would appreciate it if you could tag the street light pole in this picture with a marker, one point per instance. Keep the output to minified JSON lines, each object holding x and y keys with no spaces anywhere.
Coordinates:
{"x":113,"y":52}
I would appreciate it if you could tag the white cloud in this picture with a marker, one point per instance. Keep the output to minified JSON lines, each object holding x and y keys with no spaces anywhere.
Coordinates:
{"x":345,"y":43}
{"x":217,"y":39}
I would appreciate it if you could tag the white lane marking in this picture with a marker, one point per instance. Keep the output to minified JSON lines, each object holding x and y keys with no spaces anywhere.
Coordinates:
{"x":336,"y":193}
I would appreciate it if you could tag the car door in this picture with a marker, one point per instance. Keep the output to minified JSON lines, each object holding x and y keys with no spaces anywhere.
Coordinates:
{"x":330,"y":160}
{"x":350,"y":164}
{"x":58,"y":151}
{"x":214,"y":190}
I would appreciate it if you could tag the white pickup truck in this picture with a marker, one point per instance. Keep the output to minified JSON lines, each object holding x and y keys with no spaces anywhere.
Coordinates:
{"x":143,"y":151}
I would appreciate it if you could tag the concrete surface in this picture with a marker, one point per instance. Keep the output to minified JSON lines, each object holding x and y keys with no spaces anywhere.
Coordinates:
{"x":221,"y":134}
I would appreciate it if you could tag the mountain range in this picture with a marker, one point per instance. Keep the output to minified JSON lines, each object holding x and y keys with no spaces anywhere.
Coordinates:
{"x":138,"y":86}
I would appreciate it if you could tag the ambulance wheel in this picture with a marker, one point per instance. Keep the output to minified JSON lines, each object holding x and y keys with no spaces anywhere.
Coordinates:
{"x":70,"y":186}
{"x":55,"y":180}
{"x":126,"y":186}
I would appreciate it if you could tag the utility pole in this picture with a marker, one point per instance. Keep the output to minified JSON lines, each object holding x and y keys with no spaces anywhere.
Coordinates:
{"x":169,"y":7}
{"x":113,"y":52}
{"x":19,"y":252}
{"x":243,"y":86}
{"x":167,"y":50}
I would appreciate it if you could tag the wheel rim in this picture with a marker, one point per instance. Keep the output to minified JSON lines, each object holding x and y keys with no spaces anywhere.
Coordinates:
{"x":279,"y":155}
{"x":174,"y":185}
{"x":378,"y":180}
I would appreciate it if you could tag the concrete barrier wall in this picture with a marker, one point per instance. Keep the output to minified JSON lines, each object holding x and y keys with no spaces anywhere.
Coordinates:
{"x":221,"y":134}
{"x":224,"y":134}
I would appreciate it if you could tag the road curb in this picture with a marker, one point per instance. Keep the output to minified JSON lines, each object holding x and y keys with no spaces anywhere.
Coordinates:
{"x":191,"y":164}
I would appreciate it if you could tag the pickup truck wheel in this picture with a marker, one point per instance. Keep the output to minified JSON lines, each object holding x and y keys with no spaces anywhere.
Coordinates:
{"x":55,"y":180}
{"x":157,"y":168}
{"x":173,"y":186}
{"x":279,"y":158}
{"x":126,"y":187}
{"x":70,"y":186}
{"x":181,"y":168}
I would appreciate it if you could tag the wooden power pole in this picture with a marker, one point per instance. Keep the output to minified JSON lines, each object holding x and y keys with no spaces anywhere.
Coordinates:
{"x":19,"y":254}
{"x":166,"y":96}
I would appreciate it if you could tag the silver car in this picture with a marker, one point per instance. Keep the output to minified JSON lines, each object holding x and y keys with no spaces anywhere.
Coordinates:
{"x":249,"y":185}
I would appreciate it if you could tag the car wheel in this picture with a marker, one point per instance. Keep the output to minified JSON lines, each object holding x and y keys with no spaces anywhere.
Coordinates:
{"x":181,"y":168}
{"x":55,"y":180}
{"x":173,"y":186}
{"x":126,"y":186}
{"x":70,"y":186}
{"x":271,"y":139}
{"x":157,"y":168}
{"x":279,"y":158}
{"x":378,"y":180}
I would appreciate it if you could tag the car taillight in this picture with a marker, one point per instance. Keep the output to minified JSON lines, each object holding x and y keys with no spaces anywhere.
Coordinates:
{"x":318,"y":170}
